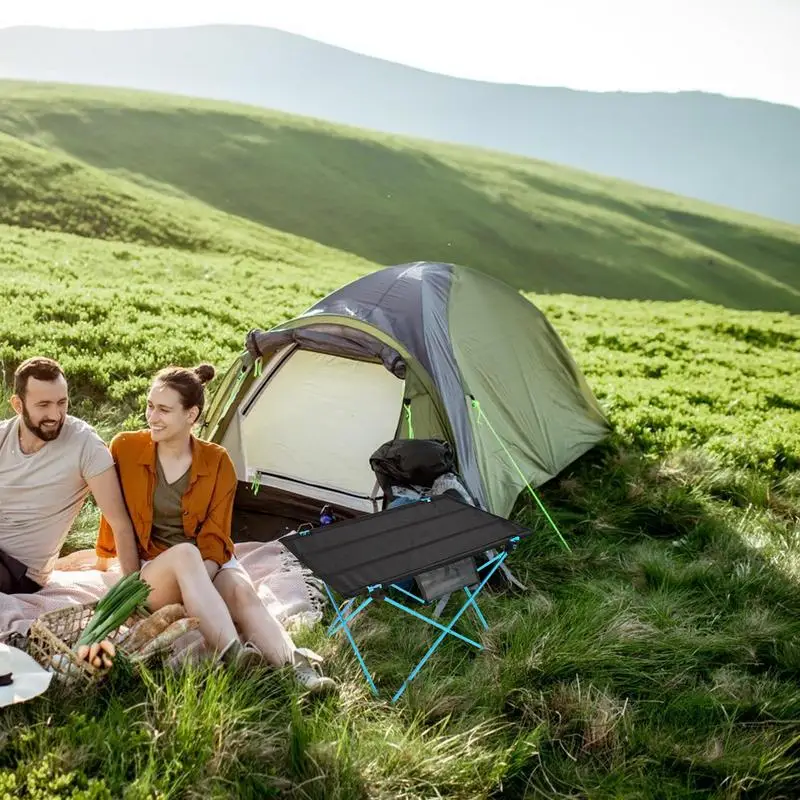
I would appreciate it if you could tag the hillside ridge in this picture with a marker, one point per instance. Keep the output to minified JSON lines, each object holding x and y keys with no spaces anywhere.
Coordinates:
{"x":390,"y":199}
{"x":737,"y":152}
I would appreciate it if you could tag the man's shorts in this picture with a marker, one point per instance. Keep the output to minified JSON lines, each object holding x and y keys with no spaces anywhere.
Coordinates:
{"x":14,"y":578}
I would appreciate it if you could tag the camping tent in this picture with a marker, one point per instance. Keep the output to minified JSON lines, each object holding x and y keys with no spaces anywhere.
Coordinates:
{"x":419,"y":350}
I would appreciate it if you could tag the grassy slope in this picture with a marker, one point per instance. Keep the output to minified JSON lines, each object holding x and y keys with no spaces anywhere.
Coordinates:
{"x":53,"y":192}
{"x":388,"y":199}
{"x":50,"y":191}
{"x":658,"y":659}
{"x":125,"y":309}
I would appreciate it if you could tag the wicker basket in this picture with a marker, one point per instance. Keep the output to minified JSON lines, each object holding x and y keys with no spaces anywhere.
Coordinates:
{"x":53,"y":635}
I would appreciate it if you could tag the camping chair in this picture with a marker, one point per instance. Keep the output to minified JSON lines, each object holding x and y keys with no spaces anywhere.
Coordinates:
{"x":434,"y":541}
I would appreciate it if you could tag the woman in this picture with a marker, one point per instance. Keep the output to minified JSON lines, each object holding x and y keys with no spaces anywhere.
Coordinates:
{"x":179,"y":492}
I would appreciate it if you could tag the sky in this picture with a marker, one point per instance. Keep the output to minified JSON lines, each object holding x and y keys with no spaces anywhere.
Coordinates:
{"x":740,"y":48}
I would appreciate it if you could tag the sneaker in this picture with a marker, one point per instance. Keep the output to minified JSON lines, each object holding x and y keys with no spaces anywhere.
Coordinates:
{"x":308,"y":672}
{"x":242,"y":655}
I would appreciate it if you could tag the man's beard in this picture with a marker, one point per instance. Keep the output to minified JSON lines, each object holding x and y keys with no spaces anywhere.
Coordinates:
{"x":45,"y":434}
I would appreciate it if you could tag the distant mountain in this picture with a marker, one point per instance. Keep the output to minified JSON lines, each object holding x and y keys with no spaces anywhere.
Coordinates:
{"x":739,"y":153}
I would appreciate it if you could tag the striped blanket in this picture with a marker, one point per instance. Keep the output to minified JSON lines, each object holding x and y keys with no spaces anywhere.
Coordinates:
{"x":286,"y":588}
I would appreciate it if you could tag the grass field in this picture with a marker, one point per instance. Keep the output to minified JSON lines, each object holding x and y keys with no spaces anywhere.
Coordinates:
{"x":205,"y":176}
{"x":659,"y":659}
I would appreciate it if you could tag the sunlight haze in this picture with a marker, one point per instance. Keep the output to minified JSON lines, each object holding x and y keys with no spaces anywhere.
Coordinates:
{"x":742,"y":49}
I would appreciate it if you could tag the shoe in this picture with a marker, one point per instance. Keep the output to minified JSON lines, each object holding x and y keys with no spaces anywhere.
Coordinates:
{"x":308,"y":673}
{"x":240,"y":655}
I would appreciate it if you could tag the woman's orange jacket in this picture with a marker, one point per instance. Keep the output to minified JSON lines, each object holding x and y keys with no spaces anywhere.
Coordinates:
{"x":207,"y":503}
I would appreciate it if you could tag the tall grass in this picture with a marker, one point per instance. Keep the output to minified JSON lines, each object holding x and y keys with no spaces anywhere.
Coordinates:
{"x":639,"y":665}
{"x":657,"y":659}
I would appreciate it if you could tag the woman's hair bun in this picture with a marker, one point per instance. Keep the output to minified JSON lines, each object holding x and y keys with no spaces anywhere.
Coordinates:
{"x":205,"y":373}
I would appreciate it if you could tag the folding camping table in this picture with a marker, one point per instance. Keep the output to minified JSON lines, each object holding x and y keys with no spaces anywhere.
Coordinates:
{"x":434,"y":541}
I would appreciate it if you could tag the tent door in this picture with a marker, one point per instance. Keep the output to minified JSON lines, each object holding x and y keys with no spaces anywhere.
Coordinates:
{"x":313,"y":424}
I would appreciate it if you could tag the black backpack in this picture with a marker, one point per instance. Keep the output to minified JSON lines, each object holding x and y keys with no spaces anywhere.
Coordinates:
{"x":411,"y":462}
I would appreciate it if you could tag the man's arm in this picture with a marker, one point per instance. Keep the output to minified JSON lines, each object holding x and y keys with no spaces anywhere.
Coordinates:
{"x":108,"y":496}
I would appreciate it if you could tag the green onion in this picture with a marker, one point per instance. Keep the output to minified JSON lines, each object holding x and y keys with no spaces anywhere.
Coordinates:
{"x":111,"y":611}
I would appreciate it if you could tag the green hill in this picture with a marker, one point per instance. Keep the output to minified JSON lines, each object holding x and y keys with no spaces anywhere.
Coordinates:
{"x":658,"y":658}
{"x":113,"y":312}
{"x":387,"y":199}
{"x":49,"y":191}
{"x":737,"y":152}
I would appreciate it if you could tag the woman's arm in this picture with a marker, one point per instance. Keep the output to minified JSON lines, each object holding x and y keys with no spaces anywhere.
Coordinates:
{"x":214,"y":538}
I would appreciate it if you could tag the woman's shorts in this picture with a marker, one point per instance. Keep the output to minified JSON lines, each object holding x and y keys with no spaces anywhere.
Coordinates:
{"x":232,"y":564}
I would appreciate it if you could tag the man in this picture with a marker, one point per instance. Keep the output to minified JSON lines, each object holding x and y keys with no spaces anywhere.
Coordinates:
{"x":49,"y":462}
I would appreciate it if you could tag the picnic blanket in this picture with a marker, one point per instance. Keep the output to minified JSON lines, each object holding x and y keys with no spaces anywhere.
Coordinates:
{"x":285,"y":587}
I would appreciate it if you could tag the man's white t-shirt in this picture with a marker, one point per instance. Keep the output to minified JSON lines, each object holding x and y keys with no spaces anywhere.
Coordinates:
{"x":42,"y":493}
